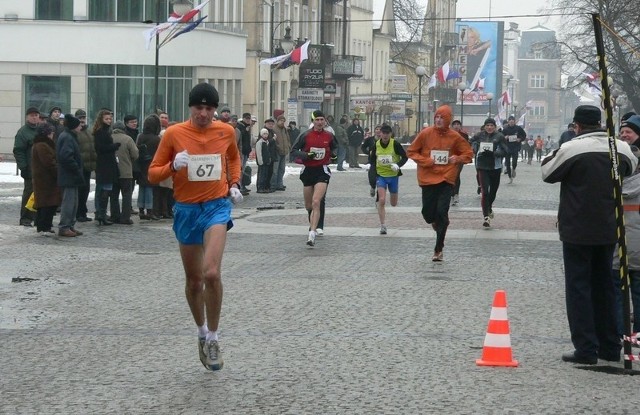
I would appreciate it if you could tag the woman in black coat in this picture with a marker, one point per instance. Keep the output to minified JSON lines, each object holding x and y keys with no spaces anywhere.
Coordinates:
{"x":106,"y":163}
{"x":45,"y":175}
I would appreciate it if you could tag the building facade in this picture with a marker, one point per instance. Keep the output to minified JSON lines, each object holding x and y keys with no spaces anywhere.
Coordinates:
{"x":92,"y":54}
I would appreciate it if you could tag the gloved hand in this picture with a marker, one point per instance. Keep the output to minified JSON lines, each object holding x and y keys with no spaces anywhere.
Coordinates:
{"x":181,"y":160}
{"x":236,"y":195}
{"x":394,"y":167}
{"x":311,"y":155}
{"x":117,"y":145}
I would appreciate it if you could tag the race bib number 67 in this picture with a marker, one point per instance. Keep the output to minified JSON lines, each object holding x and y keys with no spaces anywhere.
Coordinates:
{"x":205,"y":168}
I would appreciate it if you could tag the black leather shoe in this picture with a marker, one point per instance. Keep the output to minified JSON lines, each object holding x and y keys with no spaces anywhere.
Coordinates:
{"x":609,"y":357}
{"x":573,"y":358}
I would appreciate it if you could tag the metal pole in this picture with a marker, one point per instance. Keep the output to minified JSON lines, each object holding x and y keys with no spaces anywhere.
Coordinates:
{"x":617,"y":186}
{"x":155,"y":77}
{"x":419,"y":126}
{"x":271,"y":90}
{"x":462,"y":107}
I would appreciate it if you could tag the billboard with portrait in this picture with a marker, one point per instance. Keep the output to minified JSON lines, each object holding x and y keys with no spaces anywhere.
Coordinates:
{"x":479,"y":59}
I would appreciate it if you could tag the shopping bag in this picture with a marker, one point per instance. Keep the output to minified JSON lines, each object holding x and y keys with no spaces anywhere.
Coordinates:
{"x":30,"y":203}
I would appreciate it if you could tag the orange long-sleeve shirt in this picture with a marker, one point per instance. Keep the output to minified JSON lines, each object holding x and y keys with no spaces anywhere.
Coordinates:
{"x":217,"y":138}
{"x":444,"y":139}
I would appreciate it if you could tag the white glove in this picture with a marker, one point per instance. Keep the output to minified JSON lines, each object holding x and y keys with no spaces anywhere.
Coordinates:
{"x":181,"y":160}
{"x":236,"y":196}
{"x":394,"y":167}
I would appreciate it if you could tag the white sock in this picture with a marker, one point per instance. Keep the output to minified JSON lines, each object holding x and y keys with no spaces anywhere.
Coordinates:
{"x":203,"y":330}
{"x":212,"y":335}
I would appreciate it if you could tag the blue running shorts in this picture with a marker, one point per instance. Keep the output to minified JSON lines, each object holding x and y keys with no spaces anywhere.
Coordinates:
{"x":191,"y":220}
{"x":391,"y":182}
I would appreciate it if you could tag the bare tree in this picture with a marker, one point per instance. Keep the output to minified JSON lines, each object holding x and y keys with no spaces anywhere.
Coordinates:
{"x":621,"y":38}
{"x":409,"y":19}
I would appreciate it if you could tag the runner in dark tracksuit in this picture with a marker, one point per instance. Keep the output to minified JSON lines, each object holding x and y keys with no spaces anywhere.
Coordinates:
{"x":515,"y":135}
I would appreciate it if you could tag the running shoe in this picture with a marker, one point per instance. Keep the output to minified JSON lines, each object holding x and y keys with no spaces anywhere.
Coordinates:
{"x":437,"y":257}
{"x":372,"y":192}
{"x":213,"y":358}
{"x":312,"y":238}
{"x":510,"y":180}
{"x":203,"y":355}
{"x":491,"y":213}
{"x":487,"y":222}
{"x":454,"y":200}
{"x":513,"y":173}
{"x":319,"y":232}
{"x":383,"y":230}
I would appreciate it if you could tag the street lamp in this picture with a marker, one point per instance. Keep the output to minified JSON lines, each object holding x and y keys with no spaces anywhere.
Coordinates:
{"x":285,"y":45}
{"x":515,"y":109}
{"x":180,"y":7}
{"x":490,"y":98}
{"x":462,"y":87}
{"x":420,"y":72}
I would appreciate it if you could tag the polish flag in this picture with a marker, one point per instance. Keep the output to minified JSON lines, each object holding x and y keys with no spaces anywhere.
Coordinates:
{"x":173,"y":17}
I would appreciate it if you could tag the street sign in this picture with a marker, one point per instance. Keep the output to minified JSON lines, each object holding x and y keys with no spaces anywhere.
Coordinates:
{"x":310,"y":94}
{"x":402,"y":97}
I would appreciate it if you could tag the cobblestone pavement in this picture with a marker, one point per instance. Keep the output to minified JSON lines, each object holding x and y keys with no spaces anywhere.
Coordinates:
{"x":359,"y":324}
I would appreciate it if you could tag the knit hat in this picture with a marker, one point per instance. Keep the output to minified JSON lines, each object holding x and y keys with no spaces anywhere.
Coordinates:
{"x":54,"y":108}
{"x":128,"y":118}
{"x":264,"y":131}
{"x":269,"y":120}
{"x":316,"y":114}
{"x":627,"y":115}
{"x":587,"y":115}
{"x":119,"y":125}
{"x":489,"y":121}
{"x":203,"y":94}
{"x":81,"y":114}
{"x":32,"y":110}
{"x":633,"y":123}
{"x":44,"y":129}
{"x":71,"y":122}
{"x":225,"y":109}
{"x":511,"y":117}
{"x":386,"y":128}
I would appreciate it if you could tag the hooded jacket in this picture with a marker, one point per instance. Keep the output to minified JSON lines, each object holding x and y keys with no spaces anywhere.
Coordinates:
{"x":631,"y":198}
{"x":439,"y":139}
{"x":148,"y":143}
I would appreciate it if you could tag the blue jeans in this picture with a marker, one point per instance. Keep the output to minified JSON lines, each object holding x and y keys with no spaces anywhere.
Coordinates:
{"x":278,"y":172}
{"x":68,"y":208}
{"x":145,"y":197}
{"x":634,"y":289}
{"x":342,"y":156}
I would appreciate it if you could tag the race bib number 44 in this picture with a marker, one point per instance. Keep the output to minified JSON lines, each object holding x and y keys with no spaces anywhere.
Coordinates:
{"x":205,"y":168}
{"x":440,"y":156}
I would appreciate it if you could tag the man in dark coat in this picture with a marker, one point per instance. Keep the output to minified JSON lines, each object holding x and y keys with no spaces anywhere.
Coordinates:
{"x":70,"y":175}
{"x":131,"y":127}
{"x":22,"y":153}
{"x":356,"y":136}
{"x":88,"y":154}
{"x":244,"y":126}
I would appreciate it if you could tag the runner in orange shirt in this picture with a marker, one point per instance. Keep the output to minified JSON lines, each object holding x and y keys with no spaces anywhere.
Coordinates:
{"x":203,"y":159}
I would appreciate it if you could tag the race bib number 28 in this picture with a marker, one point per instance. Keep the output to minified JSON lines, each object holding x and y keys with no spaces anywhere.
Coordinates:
{"x":205,"y":168}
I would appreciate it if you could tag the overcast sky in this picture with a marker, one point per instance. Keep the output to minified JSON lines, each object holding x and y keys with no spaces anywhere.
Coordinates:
{"x":499,"y":10}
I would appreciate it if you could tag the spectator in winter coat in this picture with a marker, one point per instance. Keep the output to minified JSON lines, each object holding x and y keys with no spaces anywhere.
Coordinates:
{"x":127,"y":156}
{"x":356,"y":137}
{"x":147,"y":143}
{"x":283,"y":146}
{"x":88,"y":154}
{"x":45,"y":173}
{"x":106,"y":164}
{"x":265,"y":153}
{"x":22,"y":153}
{"x":70,"y":175}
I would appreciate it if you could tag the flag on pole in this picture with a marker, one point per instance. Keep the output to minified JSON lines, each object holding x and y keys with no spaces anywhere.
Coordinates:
{"x":433,"y":81}
{"x":479,"y":84}
{"x":295,"y":57}
{"x":454,"y":75}
{"x":443,"y":72}
{"x":522,"y":120}
{"x":503,"y":104}
{"x":593,"y":82}
{"x":176,"y":18}
{"x":187,"y":28}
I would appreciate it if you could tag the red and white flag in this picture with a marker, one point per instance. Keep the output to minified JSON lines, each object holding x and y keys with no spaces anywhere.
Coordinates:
{"x":295,"y":57}
{"x":503,"y":104}
{"x":443,"y":72}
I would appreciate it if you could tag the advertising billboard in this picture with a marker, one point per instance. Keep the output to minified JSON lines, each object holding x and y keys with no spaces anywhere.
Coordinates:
{"x":479,"y":59}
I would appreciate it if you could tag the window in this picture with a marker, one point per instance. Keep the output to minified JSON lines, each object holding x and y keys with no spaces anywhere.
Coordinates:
{"x":128,"y":10}
{"x":44,"y":92}
{"x":537,"y":54}
{"x":54,"y":9}
{"x":296,"y":21}
{"x":537,"y":81}
{"x":537,"y":109}
{"x":130,"y":89}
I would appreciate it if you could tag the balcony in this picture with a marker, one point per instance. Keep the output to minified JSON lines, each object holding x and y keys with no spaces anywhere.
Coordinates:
{"x":347,"y":66}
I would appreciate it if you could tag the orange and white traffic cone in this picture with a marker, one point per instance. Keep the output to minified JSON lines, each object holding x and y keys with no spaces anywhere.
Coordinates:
{"x":497,"y":343}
